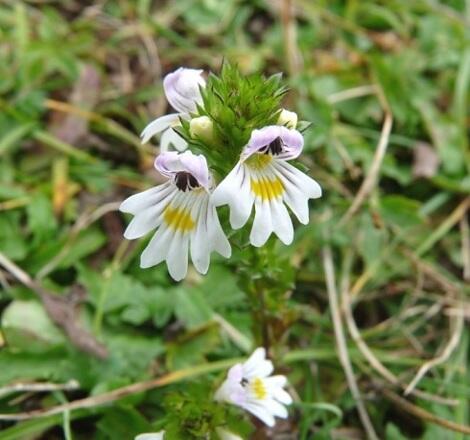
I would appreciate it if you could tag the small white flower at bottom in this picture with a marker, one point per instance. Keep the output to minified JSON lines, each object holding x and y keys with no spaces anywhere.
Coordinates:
{"x":151,"y":436}
{"x":181,"y":210}
{"x":264,"y":178}
{"x":250,"y":386}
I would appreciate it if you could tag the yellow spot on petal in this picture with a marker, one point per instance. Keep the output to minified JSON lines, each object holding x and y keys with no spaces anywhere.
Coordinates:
{"x":259,"y":389}
{"x":178,"y":219}
{"x":259,"y":161}
{"x":267,"y":189}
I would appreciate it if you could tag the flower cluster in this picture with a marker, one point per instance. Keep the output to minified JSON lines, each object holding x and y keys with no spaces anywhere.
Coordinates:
{"x":250,"y":386}
{"x":183,"y":210}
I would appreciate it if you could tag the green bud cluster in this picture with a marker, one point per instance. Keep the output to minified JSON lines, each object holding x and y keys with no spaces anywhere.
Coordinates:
{"x":236,"y":104}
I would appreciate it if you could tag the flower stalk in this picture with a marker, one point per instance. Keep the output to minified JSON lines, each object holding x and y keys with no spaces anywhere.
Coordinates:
{"x":236,"y":147}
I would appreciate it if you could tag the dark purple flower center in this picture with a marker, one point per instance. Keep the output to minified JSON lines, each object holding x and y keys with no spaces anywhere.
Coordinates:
{"x":185,"y":181}
{"x":275,"y":147}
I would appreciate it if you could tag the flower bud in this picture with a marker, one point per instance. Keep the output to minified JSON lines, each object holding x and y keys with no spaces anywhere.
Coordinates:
{"x":287,"y":118}
{"x":202,"y":127}
{"x":182,"y":89}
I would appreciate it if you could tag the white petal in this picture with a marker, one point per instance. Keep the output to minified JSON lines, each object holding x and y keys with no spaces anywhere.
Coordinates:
{"x":144,"y":222}
{"x":310,"y":187}
{"x":277,"y":381}
{"x":217,"y":239}
{"x":151,"y":436}
{"x":261,"y":412}
{"x":231,"y":392}
{"x":296,"y":200}
{"x":171,"y":140}
{"x":298,"y":189}
{"x":200,"y":251}
{"x":282,"y":396}
{"x":177,"y":257}
{"x":275,"y":408}
{"x":257,"y":365}
{"x":275,"y":386}
{"x":157,"y":126}
{"x":181,"y":88}
{"x":222,"y":393}
{"x":149,"y":218}
{"x":282,"y":224}
{"x":157,"y":249}
{"x":165,"y":140}
{"x":138,"y":202}
{"x":179,"y":143}
{"x":298,"y":205}
{"x":262,"y":224}
{"x":263,"y":369}
{"x":258,"y":355}
{"x":235,"y":191}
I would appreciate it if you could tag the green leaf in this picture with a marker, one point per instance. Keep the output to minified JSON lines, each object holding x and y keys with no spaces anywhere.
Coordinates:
{"x":27,"y":327}
{"x":219,"y":288}
{"x":192,"y":347}
{"x":400,"y":211}
{"x":191,"y":307}
{"x":123,"y":422}
{"x":32,"y":366}
{"x":393,"y":433}
{"x":41,"y":220}
{"x":12,"y":138}
{"x":12,"y":242}
{"x":447,"y":136}
{"x":135,"y":302}
{"x":32,"y":429}
{"x":371,"y":240}
{"x":87,"y":242}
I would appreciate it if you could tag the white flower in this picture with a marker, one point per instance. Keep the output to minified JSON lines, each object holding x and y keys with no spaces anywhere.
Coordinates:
{"x":287,"y":118}
{"x":151,"y":436}
{"x":183,"y":213}
{"x":250,"y":386}
{"x":263,"y":177}
{"x":181,"y":89}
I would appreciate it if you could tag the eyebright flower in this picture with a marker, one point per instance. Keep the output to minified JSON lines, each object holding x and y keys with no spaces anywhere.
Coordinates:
{"x":151,"y":436}
{"x":250,"y":386}
{"x":181,"y":89}
{"x":263,"y":177}
{"x":183,"y":213}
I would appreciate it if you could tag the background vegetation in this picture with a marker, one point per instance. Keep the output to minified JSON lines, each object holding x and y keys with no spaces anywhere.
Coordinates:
{"x":386,"y":85}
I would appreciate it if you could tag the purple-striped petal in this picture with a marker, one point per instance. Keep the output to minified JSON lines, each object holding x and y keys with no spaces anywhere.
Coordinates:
{"x":170,"y":163}
{"x":292,"y":141}
{"x":182,"y":89}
